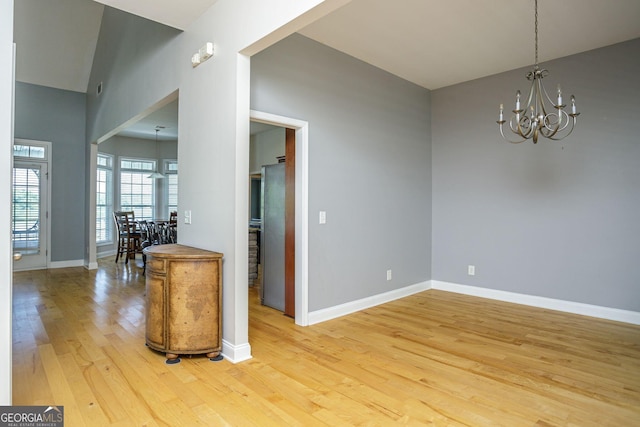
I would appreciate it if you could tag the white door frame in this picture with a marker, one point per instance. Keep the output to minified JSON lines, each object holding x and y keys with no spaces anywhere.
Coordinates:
{"x":302,"y":207}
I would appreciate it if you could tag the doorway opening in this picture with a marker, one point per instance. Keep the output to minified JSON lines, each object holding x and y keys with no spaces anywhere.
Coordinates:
{"x":272,"y":216}
{"x":128,"y":155}
{"x":298,"y":131}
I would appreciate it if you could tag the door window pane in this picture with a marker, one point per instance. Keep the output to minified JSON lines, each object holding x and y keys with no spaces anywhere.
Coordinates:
{"x":26,"y":210}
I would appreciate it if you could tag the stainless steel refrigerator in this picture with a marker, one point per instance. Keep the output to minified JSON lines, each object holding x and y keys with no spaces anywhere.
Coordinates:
{"x":272,"y":238}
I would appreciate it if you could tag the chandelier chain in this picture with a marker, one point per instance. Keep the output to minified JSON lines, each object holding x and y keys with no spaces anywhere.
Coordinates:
{"x":536,"y":31}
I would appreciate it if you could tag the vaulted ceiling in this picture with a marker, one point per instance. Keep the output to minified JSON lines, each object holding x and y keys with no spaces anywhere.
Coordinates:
{"x":433,"y":43}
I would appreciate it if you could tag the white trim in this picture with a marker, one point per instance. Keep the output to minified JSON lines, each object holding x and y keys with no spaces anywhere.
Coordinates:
{"x":104,"y":254}
{"x":91,"y":266}
{"x":65,"y":264}
{"x":92,"y":248}
{"x":608,"y":313}
{"x":353,"y":306}
{"x":7,"y":96}
{"x":302,"y":207}
{"x":236,"y":354}
{"x":62,"y":264}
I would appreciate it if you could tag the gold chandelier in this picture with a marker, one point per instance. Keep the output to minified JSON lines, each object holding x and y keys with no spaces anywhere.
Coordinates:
{"x":532,"y":118}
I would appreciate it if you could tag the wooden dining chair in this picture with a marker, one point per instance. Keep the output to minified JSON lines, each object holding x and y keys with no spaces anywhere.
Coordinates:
{"x":172,"y":233}
{"x":129,"y":237}
{"x":146,"y":231}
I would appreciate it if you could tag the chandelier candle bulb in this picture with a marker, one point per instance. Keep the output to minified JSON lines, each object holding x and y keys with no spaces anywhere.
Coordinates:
{"x":501,"y":110}
{"x":559,"y":96}
{"x":573,"y":105}
{"x":518,"y":101}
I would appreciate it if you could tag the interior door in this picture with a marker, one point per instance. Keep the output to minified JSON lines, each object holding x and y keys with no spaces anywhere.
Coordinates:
{"x":29,"y":214}
{"x":273,"y":236}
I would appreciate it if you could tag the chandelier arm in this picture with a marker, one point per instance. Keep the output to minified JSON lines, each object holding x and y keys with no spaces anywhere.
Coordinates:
{"x":541,"y":93}
{"x":521,"y":120}
{"x":546,"y":95}
{"x":522,"y":123}
{"x":531,"y":106}
{"x":531,"y":97}
{"x":548,"y":130}
{"x":505,"y":137}
{"x":572,"y":122}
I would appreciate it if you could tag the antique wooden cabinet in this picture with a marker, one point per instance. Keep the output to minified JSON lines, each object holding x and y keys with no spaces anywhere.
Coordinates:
{"x":183,"y":301}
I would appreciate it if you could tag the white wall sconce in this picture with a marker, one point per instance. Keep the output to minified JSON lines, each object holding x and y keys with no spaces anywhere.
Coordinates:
{"x":204,"y":53}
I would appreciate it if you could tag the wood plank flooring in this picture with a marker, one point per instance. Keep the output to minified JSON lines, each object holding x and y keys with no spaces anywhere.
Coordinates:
{"x":435,"y":358}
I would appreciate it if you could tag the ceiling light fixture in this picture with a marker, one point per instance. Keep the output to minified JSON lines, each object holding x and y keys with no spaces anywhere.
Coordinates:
{"x":156,"y":174}
{"x":531,"y":119}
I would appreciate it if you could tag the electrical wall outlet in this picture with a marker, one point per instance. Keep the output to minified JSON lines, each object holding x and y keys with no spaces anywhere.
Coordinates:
{"x":389,"y":275}
{"x":471,"y":270}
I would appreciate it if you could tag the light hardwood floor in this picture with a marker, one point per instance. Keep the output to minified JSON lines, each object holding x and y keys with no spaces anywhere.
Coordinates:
{"x":433,"y":358}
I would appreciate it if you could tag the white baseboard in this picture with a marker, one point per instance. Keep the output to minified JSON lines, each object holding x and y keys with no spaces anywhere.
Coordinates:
{"x":91,"y":266}
{"x":353,"y":306}
{"x":236,"y":353}
{"x":65,"y":264}
{"x":608,"y":313}
{"x":105,"y":254}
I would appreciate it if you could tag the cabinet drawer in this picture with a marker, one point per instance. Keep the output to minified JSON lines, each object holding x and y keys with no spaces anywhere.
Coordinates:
{"x":156,"y":265}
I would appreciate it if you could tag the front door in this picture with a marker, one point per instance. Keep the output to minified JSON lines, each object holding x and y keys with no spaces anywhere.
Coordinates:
{"x":29,"y":214}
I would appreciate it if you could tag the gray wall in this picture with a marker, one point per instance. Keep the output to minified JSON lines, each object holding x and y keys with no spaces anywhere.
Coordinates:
{"x":265,"y":149}
{"x":556,"y":219}
{"x":135,"y":62}
{"x":369,"y":166}
{"x":58,"y":116}
{"x":140,"y":148}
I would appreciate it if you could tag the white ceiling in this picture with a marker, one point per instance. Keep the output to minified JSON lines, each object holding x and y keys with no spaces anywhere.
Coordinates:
{"x":433,"y":43}
{"x":145,"y":128}
{"x":437,"y":43}
{"x":55,"y":41}
{"x":177,"y":14}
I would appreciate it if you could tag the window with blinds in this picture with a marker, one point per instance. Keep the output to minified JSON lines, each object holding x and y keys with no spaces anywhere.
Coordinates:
{"x":171,"y":187}
{"x":137,"y":190}
{"x":104,"y":199}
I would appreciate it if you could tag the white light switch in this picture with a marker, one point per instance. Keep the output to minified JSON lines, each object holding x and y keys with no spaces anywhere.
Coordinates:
{"x":322,"y":217}
{"x":187,"y":217}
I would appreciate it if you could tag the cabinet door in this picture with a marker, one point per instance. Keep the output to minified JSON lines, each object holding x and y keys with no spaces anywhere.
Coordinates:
{"x":193,"y":306}
{"x":155,"y":310}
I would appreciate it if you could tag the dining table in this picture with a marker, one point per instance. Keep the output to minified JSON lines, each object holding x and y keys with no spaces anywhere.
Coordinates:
{"x":159,"y":231}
